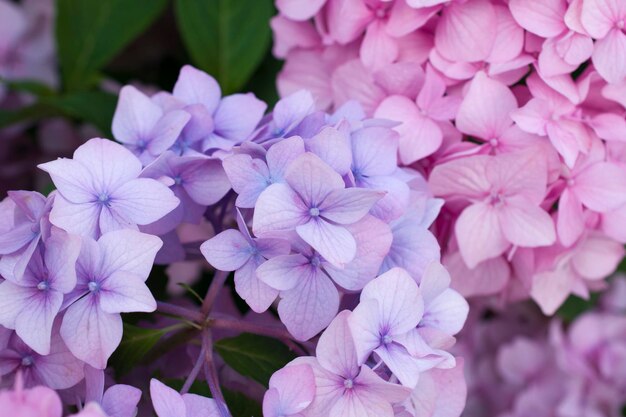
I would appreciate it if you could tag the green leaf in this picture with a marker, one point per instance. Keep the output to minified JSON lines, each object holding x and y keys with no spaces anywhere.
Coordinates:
{"x":226,"y":38}
{"x":257,"y":357}
{"x":95,"y":107}
{"x":574,"y":306}
{"x":28,"y":86}
{"x":91,"y":32}
{"x":136,"y":343}
{"x":239,"y":404}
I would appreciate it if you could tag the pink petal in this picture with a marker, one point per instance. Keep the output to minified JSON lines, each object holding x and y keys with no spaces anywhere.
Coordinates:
{"x":614,"y":224}
{"x":479,"y":234}
{"x":520,"y":173}
{"x":91,"y":334}
{"x":550,"y":289}
{"x":347,"y":19}
{"x":441,"y":392}
{"x":509,"y":41}
{"x":489,"y":277}
{"x":601,"y":187}
{"x":609,"y":56}
{"x":309,"y":307}
{"x":404,"y":366}
{"x":227,"y":251}
{"x":467,"y":31}
{"x":597,"y":257}
{"x":334,"y":243}
{"x":365,"y":325}
{"x":434,"y":282}
{"x":609,"y":126}
{"x":404,"y":19}
{"x":598,"y":17}
{"x":463,"y":177}
{"x":378,"y":48}
{"x":197,"y":87}
{"x":526,"y":225}
{"x":541,"y":17}
{"x":290,"y":35}
{"x":570,"y":220}
{"x":485,"y":110}
{"x":299,"y":9}
{"x":352,"y":81}
{"x":533,"y":117}
{"x":419,"y":135}
{"x":447,"y":312}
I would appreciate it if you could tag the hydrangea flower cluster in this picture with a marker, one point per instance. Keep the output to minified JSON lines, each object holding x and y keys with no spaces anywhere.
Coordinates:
{"x":308,"y":209}
{"x":572,"y":372}
{"x":514,"y":111}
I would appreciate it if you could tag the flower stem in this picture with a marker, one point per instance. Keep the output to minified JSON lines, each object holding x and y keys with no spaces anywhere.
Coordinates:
{"x":216,"y":285}
{"x":211,"y":374}
{"x":191,"y":378}
{"x":179,"y":311}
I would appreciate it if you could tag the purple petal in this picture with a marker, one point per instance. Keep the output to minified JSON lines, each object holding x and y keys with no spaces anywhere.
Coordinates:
{"x":34,"y":322}
{"x":135,"y":116}
{"x":332,"y":145}
{"x":248,"y":176}
{"x":204,"y":179}
{"x":365,"y":325}
{"x":166,"y":131}
{"x":227,"y":251}
{"x":349,"y":205}
{"x":374,"y":151}
{"x":166,"y":401}
{"x":199,"y":406}
{"x":197,"y":87}
{"x":312,"y":178}
{"x":129,"y":251}
{"x":238,"y":115}
{"x":401,"y":363}
{"x":143,"y":201}
{"x":16,"y":238}
{"x":400,"y":303}
{"x":91,"y":334}
{"x":60,"y":369}
{"x":310,"y":306}
{"x":285,"y":272}
{"x":296,"y":385}
{"x":81,"y":219}
{"x":124,"y":292}
{"x":72,"y":180}
{"x":255,"y":292}
{"x":121,"y":401}
{"x":281,"y":154}
{"x":334,"y":243}
{"x":336,"y":351}
{"x":290,"y":111}
{"x":278,"y":209}
{"x":62,"y":251}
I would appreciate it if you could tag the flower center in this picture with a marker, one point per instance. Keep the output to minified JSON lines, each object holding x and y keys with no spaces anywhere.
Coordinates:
{"x":93,"y":286}
{"x":386,"y":339}
{"x":493,"y":142}
{"x":178,"y":180}
{"x":621,"y":24}
{"x":104,"y":199}
{"x":348,"y":383}
{"x":27,"y":360}
{"x":314,"y":211}
{"x":495,"y":198}
{"x":571,"y":182}
{"x":43,"y":285}
{"x":141,"y":145}
{"x":316,"y":261}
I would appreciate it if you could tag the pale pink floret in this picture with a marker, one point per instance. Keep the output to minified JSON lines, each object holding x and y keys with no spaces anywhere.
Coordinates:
{"x":505,"y":193}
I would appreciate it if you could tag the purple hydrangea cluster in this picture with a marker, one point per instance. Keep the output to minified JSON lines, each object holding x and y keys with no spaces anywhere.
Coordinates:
{"x":310,"y":211}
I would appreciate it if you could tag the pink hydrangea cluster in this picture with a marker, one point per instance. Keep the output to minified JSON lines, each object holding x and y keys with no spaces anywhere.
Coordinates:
{"x":521,"y":365}
{"x":513,"y":110}
{"x":311,"y":212}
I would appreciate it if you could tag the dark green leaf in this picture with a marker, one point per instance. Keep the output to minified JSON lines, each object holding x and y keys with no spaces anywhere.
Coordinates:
{"x":91,"y":32}
{"x":136,"y":343}
{"x":257,"y":357}
{"x":226,"y":38}
{"x":574,"y":306}
{"x":95,"y":107}
{"x":27,"y":86}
